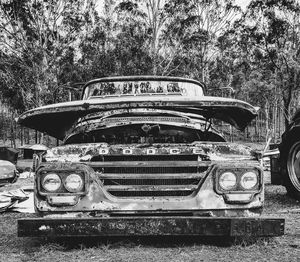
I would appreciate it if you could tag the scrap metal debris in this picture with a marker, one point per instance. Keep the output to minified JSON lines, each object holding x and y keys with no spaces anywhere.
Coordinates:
{"x":16,"y":200}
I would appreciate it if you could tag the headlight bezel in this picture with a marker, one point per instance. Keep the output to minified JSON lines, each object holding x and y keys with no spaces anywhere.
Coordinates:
{"x":63,"y":174}
{"x":239,"y":173}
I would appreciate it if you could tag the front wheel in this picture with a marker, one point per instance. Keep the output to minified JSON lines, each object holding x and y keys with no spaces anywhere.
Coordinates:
{"x":292,"y":171}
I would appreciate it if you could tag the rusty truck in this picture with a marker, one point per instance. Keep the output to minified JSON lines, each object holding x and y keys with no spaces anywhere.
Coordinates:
{"x":142,"y":155}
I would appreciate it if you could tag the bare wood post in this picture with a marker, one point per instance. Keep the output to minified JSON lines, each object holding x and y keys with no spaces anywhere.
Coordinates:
{"x":275,"y":120}
{"x":21,"y":135}
{"x":16,"y":132}
{"x":2,"y":120}
{"x":279,"y":121}
{"x":41,"y":138}
{"x":12,"y":137}
{"x":28,"y":135}
{"x":258,"y":126}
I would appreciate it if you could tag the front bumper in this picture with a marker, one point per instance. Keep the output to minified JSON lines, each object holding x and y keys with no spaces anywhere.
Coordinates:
{"x":151,"y":226}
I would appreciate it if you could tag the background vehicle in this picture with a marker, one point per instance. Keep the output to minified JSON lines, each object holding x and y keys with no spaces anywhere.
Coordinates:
{"x":8,"y":160}
{"x":285,"y":168}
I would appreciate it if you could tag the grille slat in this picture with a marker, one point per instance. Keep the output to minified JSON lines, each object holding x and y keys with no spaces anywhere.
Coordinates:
{"x":151,"y":188}
{"x":151,"y":194}
{"x":133,"y":163}
{"x":150,"y":182}
{"x":108,"y":158}
{"x":148,"y":170}
{"x":139,"y":176}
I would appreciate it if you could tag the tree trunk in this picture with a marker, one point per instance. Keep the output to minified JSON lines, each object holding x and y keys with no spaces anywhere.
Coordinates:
{"x":22,"y":136}
{"x":286,"y":107}
{"x":267,"y":117}
{"x":12,"y":128}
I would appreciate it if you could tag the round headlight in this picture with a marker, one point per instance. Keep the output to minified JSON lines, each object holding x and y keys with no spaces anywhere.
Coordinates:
{"x":73,"y":183}
{"x":227,"y":180}
{"x":51,"y":182}
{"x":249,"y":180}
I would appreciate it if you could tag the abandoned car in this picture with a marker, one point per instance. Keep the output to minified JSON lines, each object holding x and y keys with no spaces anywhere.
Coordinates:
{"x":285,"y":167}
{"x":141,"y":156}
{"x":8,"y":160}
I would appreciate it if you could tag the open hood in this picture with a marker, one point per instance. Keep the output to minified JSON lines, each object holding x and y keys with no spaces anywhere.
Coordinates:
{"x":57,"y":119}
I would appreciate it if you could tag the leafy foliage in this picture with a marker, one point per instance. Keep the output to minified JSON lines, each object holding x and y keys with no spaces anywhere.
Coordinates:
{"x":46,"y":46}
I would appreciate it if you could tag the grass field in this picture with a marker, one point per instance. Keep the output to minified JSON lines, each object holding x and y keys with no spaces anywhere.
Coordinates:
{"x":277,"y":204}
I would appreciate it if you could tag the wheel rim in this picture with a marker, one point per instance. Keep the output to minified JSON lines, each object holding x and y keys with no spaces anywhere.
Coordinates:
{"x":293,"y":165}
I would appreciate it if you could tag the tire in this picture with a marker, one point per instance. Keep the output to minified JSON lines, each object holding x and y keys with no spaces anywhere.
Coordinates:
{"x":290,"y":163}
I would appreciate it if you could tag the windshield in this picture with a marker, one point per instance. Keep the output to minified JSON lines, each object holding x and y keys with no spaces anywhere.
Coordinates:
{"x":142,"y":87}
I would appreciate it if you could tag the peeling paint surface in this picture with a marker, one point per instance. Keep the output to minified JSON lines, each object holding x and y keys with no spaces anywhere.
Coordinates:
{"x":149,"y":178}
{"x":99,"y":201}
{"x":210,"y":151}
{"x":144,"y":154}
{"x":44,"y":119}
{"x":158,"y":226}
{"x":146,"y":165}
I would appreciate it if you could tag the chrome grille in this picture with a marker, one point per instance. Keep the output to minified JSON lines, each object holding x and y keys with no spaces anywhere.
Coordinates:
{"x":150,"y":176}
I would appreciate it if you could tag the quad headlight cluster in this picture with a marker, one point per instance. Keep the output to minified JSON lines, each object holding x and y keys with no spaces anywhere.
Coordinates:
{"x":238,"y":180}
{"x":59,"y":182}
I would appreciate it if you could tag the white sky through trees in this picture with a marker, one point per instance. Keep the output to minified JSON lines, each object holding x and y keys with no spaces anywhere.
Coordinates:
{"x":242,"y":3}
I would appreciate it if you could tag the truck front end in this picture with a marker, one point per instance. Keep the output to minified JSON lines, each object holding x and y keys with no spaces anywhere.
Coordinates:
{"x":153,"y":168}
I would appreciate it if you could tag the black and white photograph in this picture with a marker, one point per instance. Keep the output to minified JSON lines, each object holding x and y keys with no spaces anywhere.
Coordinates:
{"x":149,"y":130}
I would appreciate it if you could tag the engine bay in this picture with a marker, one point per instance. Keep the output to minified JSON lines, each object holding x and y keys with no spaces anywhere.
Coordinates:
{"x":144,"y":134}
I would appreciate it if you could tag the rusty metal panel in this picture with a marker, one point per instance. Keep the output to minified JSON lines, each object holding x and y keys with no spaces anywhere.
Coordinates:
{"x":156,"y":226}
{"x":44,"y":119}
{"x":99,"y":198}
{"x":257,"y":227}
{"x":201,"y":152}
{"x":146,"y":163}
{"x":154,"y":178}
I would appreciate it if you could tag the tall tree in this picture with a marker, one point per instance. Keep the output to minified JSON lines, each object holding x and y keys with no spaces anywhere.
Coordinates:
{"x":155,"y":20}
{"x":40,"y":37}
{"x":193,"y":28}
{"x":275,"y":27}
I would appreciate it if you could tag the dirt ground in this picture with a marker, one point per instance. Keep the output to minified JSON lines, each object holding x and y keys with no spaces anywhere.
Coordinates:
{"x":277,"y":204}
